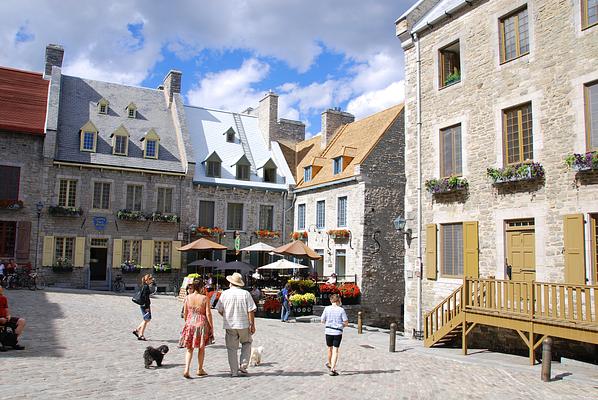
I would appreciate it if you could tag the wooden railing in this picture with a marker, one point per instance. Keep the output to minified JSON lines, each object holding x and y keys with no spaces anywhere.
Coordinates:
{"x":443,"y":313}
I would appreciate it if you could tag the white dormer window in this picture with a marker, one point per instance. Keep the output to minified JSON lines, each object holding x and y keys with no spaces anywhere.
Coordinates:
{"x":120,"y":141}
{"x":103,"y":106}
{"x":131,"y":110}
{"x":89,"y":137}
{"x":151,"y":144}
{"x":230,"y":135}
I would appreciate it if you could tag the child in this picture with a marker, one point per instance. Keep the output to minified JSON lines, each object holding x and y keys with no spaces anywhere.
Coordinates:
{"x":335,"y":318}
{"x":15,"y":323}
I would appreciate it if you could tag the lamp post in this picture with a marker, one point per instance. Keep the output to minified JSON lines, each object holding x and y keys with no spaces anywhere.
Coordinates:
{"x":38,"y":207}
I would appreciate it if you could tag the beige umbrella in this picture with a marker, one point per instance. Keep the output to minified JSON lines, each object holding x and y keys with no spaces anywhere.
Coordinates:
{"x":202,"y":244}
{"x":282,"y":264}
{"x":297,"y":249}
{"x":259,"y":246}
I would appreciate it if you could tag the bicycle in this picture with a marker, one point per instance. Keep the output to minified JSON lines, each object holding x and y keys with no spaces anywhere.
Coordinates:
{"x":38,"y":280}
{"x":118,"y":285}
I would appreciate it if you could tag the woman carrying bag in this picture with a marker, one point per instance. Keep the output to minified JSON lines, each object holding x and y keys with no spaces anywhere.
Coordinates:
{"x":143,"y":299}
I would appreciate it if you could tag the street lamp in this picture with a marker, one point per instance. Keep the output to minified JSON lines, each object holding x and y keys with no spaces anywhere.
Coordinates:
{"x":38,"y":207}
{"x":400,"y":224}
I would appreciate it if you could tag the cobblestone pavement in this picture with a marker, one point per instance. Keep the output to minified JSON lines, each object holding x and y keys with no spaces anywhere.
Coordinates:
{"x":79,"y":345}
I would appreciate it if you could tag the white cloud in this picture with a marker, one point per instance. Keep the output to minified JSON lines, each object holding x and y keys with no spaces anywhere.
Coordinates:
{"x":373,"y":101}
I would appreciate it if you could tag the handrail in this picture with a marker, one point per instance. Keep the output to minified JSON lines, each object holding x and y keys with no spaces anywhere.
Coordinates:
{"x":443,"y":313}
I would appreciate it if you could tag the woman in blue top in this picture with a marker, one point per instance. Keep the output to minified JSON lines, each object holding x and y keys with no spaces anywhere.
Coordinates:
{"x":335,"y":318}
{"x":285,"y":311}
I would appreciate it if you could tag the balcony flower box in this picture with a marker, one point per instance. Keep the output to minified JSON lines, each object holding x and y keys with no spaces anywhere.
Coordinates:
{"x":446,"y":185}
{"x":61,"y":211}
{"x":299,"y":235}
{"x":583,"y":162}
{"x":130,"y":215}
{"x":516,"y":173}
{"x":62,"y":264}
{"x":159,"y":217}
{"x":130,"y":267}
{"x":162,"y":268}
{"x":11,"y":204}
{"x":339,"y":233}
{"x":204,"y":231}
{"x":266,"y":234}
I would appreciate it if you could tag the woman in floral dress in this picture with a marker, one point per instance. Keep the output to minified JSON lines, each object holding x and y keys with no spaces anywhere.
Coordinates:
{"x":198,"y":324}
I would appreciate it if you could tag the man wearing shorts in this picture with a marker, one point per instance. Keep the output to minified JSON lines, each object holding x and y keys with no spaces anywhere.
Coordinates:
{"x":6,"y":320}
{"x":335,"y":318}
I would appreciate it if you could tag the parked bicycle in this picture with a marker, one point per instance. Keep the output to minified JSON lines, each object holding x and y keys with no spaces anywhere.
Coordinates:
{"x":19,"y":280}
{"x":118,"y":285}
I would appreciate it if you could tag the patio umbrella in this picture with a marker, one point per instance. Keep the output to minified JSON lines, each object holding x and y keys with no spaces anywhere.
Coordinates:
{"x":282,"y":264}
{"x":201,"y":263}
{"x":218,"y":264}
{"x":242,"y":267}
{"x":297,"y":249}
{"x":259,"y":246}
{"x":202,"y":244}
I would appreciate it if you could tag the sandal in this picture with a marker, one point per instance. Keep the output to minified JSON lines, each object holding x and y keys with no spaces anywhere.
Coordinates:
{"x":201,"y":372}
{"x":141,"y":338}
{"x":327,"y":365}
{"x":136,"y":333}
{"x":186,"y":375}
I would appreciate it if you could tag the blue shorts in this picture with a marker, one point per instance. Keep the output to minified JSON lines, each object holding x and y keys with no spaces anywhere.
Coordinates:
{"x":147,"y":316}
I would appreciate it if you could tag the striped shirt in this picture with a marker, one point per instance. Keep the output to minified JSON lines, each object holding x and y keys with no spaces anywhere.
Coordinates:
{"x":334,"y":317}
{"x":234,"y":305}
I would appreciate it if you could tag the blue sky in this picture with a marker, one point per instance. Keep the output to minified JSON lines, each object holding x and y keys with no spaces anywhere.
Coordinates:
{"x":313,"y":54}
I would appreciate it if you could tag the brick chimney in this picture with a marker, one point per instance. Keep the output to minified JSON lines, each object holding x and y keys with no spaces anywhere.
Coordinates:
{"x":54,"y":56}
{"x":267,"y":116}
{"x":172,"y":84}
{"x":332,"y":119}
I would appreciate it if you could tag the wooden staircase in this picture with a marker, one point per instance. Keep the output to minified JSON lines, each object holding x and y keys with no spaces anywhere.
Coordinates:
{"x":534,"y":309}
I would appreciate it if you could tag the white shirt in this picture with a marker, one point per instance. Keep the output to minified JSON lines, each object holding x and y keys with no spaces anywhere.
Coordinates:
{"x":234,"y":304}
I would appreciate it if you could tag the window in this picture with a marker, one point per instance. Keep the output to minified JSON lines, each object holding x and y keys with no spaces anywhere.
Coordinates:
{"x":213,"y":169}
{"x":120,"y":145}
{"x":64,"y":248}
{"x":450,"y":151}
{"x":67,"y":194}
{"x":131,"y":110}
{"x":134,"y":196}
{"x":450,"y":64}
{"x":151,"y":149}
{"x":206,"y":213}
{"x":103,"y":106}
{"x":341,"y":212}
{"x":89,"y":141}
{"x":518,"y":137}
{"x":266,"y":218}
{"x":8,"y":235}
{"x":131,"y":250}
{"x":301,"y":216}
{"x":164,"y":200}
{"x":591,"y":103}
{"x":9,"y":189}
{"x":337,"y":165}
{"x":131,"y":113}
{"x":514,"y":35}
{"x":234,"y":217}
{"x":319,"y":264}
{"x":270,"y":175}
{"x":589,"y":13}
{"x":341,"y":263}
{"x":243,"y":172}
{"x":452,"y":250}
{"x":230,"y":136}
{"x":101,"y":195}
{"x":307,"y":174}
{"x":161,"y":252}
{"x":321,"y":214}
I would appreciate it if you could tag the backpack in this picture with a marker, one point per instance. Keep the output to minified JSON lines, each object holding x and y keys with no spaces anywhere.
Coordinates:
{"x":137,"y":298}
{"x":7,"y":336}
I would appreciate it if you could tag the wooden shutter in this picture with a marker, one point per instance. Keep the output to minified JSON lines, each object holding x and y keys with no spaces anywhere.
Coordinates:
{"x":431,"y":266}
{"x":573,"y":237}
{"x":470,"y":249}
{"x":117,"y":253}
{"x":79,"y":259}
{"x":176,"y":255}
{"x":147,"y":253}
{"x":23,"y":240}
{"x":48,"y":251}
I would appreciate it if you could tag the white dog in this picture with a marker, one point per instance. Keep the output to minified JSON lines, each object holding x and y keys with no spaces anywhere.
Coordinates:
{"x":256,"y":356}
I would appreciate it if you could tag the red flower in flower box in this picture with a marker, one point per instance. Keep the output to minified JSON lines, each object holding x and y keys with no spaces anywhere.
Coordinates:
{"x":272,"y":305}
{"x":349,"y":290}
{"x":299,"y":235}
{"x":339,"y":233}
{"x":328,"y":288}
{"x":266,"y":234}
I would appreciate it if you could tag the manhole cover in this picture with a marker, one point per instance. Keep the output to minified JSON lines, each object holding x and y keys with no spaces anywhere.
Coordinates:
{"x":367,"y":346}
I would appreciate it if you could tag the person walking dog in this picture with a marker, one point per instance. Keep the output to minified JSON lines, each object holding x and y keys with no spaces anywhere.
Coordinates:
{"x":145,"y":302}
{"x":238,"y":311}
{"x":335,"y":318}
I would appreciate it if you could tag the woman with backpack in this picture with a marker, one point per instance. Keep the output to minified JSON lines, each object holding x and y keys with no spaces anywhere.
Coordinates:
{"x":144,"y":303}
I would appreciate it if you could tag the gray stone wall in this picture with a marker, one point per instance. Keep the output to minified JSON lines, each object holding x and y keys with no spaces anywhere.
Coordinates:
{"x":333,"y":119}
{"x":289,"y":131}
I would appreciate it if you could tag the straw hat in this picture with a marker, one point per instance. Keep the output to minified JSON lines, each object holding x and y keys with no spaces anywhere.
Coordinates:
{"x":236,"y":279}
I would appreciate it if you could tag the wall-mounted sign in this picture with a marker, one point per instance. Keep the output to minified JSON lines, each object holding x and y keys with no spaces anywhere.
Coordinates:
{"x":100,"y":223}
{"x":179,"y":236}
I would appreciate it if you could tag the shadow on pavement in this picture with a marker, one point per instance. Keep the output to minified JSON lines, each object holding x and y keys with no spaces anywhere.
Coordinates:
{"x":560,"y":377}
{"x":370,"y":372}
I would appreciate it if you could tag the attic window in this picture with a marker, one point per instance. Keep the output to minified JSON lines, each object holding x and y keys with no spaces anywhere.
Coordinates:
{"x":213,"y":169}
{"x":230,"y":135}
{"x":151,"y":144}
{"x":120,"y":141}
{"x":131,"y":110}
{"x":270,"y":175}
{"x":103,"y":106}
{"x":337,"y":165}
{"x":307,"y":174}
{"x":89,"y":137}
{"x":243,"y":172}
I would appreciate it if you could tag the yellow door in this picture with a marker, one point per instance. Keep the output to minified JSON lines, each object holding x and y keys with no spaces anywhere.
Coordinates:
{"x":521,"y":250}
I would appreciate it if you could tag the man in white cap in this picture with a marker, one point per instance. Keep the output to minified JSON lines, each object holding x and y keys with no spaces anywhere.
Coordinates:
{"x":238,"y":311}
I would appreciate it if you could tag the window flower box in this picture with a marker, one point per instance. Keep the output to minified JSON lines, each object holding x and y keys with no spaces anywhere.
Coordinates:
{"x":62,"y":264}
{"x":130,"y":215}
{"x":60,"y":211}
{"x":349,"y":293}
{"x":516,"y":173}
{"x":266,"y":234}
{"x":299,"y":235}
{"x":204,"y":231}
{"x":339,"y":233}
{"x":302,"y":304}
{"x":11,"y":204}
{"x":583,"y":162}
{"x":159,"y":217}
{"x":130,"y":267}
{"x":452,"y":78}
{"x":162,"y":268}
{"x":446,"y":185}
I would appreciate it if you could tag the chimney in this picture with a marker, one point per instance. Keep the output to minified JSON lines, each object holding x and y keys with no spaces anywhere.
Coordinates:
{"x":54,"y":55}
{"x":267,"y":116}
{"x":332,"y":119}
{"x":172,"y":84}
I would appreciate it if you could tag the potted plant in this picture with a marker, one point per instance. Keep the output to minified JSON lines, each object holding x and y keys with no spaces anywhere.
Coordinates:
{"x":204,"y":231}
{"x":302,"y":286}
{"x":446,"y":185}
{"x":516,"y":173}
{"x":62,"y":211}
{"x":11,"y":204}
{"x":266,"y":234}
{"x":130,"y":215}
{"x":302,"y":304}
{"x":62,"y":264}
{"x":299,"y":235}
{"x":339,"y":233}
{"x":349,"y":292}
{"x":583,"y":162}
{"x":130,"y":267}
{"x":452,"y":78}
{"x":159,"y":217}
{"x":325,"y":290}
{"x":162,"y":268}
{"x":272,"y":307}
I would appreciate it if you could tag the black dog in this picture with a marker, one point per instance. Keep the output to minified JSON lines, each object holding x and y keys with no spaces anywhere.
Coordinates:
{"x":151,"y":354}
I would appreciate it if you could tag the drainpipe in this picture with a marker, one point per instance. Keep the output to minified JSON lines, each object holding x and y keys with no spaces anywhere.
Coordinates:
{"x":284,"y":213}
{"x":419,"y":184}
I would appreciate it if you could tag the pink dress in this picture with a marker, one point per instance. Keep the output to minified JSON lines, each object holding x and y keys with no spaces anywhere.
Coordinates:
{"x":196,"y":331}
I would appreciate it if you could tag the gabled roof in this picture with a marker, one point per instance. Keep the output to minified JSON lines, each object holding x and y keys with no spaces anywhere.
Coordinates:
{"x":23,"y":101}
{"x":242,"y":161}
{"x":358,"y":138}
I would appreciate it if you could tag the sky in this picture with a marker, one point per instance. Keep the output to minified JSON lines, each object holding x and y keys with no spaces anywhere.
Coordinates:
{"x":314,"y":54}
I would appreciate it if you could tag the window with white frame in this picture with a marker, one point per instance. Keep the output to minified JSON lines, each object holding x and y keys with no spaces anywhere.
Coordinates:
{"x":234,"y":217}
{"x":134,"y":197}
{"x":101,"y":195}
{"x":451,"y":245}
{"x":132,"y":251}
{"x":151,"y":148}
{"x":67,"y":193}
{"x":307,"y":174}
{"x":340,"y":267}
{"x":89,"y":141}
{"x":589,"y":13}
{"x":63,"y":249}
{"x":337,"y":165}
{"x":162,"y":252}
{"x":266,"y":218}
{"x":341,"y":212}
{"x":206,"y":213}
{"x":120,"y":145}
{"x":301,"y":216}
{"x":164,"y":203}
{"x":321,"y":214}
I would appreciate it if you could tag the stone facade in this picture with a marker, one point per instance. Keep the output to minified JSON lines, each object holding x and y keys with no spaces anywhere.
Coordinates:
{"x":561,"y":60}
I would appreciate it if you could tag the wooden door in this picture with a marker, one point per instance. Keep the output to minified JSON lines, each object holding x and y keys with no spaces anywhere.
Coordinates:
{"x":521,"y":250}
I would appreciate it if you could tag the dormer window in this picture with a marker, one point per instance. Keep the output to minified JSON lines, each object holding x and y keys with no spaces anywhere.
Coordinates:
{"x":212,"y":164}
{"x":243,"y":168}
{"x":337,"y":165}
{"x":230,"y":135}
{"x":89,"y":137}
{"x":269,"y":168}
{"x":151,"y":144}
{"x":131,"y":110}
{"x":103,"y":106}
{"x":120,"y":141}
{"x":307,"y":174}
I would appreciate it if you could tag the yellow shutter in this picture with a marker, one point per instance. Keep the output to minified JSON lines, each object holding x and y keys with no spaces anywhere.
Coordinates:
{"x":176,"y":255}
{"x":117,"y":253}
{"x":470,"y":249}
{"x":431,"y":266}
{"x":573,"y":237}
{"x":79,"y":260}
{"x":147,"y":253}
{"x":48,"y":252}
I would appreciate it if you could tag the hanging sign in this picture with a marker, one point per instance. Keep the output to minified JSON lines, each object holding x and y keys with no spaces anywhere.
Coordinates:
{"x":100,"y":223}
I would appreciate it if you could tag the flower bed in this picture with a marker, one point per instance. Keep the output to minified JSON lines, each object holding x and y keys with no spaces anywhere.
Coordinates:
{"x":304,"y":286}
{"x":205,"y":231}
{"x":266,"y":234}
{"x":328,"y":288}
{"x":302,"y":304}
{"x":11,"y":204}
{"x":60,"y":211}
{"x":583,"y":162}
{"x":339,"y":233}
{"x":349,"y":293}
{"x":162,"y":268}
{"x":299,"y":235}
{"x":159,"y":217}
{"x":516,"y":173}
{"x":130,"y":215}
{"x":130,"y":267}
{"x":446,"y":185}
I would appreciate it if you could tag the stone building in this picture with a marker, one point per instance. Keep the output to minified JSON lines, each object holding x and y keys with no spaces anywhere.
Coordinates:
{"x":23,"y":98}
{"x":500,"y":96}
{"x":350,"y":182}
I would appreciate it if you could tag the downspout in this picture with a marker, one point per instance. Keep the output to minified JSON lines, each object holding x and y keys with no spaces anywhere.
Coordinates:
{"x":284,"y":213}
{"x":419,"y":184}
